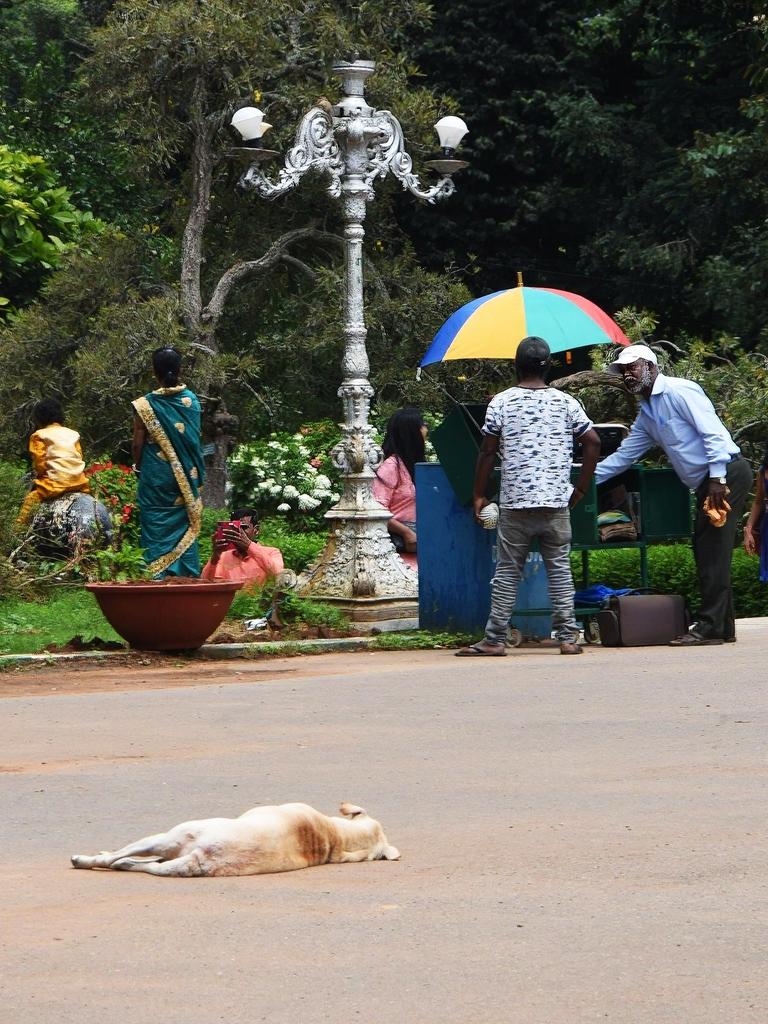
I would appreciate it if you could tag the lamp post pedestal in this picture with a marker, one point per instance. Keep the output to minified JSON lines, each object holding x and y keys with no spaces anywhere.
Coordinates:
{"x":355,"y":145}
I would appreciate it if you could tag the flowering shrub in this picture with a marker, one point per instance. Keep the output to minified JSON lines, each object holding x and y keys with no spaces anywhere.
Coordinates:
{"x":115,"y":487}
{"x":289,"y":475}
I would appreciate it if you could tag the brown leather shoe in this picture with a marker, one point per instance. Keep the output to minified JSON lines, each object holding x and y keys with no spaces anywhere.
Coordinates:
{"x":569,"y":648}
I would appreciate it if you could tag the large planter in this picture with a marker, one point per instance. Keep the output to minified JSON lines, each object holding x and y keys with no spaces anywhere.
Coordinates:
{"x":164,"y":615}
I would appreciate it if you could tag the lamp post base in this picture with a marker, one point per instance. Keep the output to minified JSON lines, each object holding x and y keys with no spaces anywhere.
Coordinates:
{"x":377,"y":615}
{"x":360,"y":572}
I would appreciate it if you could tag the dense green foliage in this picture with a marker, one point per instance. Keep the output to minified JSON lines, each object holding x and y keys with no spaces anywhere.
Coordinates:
{"x":38,"y":224}
{"x":618,"y":150}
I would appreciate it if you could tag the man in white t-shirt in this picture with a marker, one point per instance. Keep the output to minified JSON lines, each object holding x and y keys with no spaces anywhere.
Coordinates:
{"x":532,"y":427}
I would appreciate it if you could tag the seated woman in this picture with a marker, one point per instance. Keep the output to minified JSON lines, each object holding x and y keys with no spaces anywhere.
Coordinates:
{"x":394,"y":486}
{"x":57,"y":459}
{"x":756,"y":528}
{"x":237,"y":555}
{"x":168,"y":456}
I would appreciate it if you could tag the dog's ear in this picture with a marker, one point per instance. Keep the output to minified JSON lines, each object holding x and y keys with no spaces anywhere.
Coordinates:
{"x":350,"y":811}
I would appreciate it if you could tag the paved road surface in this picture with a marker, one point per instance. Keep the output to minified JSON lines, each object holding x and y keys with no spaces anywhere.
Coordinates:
{"x":583,"y":840}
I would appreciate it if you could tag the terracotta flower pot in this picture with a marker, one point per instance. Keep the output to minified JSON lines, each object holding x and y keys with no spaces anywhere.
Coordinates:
{"x":164,"y":615}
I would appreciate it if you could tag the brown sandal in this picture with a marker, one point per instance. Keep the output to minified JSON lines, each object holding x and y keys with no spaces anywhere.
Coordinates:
{"x":475,"y":651}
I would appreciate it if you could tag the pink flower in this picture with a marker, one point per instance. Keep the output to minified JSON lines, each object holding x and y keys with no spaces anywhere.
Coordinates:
{"x":316,"y":462}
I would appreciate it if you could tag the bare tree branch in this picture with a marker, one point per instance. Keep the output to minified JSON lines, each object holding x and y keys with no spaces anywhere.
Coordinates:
{"x":298,"y":264}
{"x":245,"y":268}
{"x":588,"y":379}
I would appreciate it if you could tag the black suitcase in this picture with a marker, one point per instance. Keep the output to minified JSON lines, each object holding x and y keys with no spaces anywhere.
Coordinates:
{"x":642,"y":620}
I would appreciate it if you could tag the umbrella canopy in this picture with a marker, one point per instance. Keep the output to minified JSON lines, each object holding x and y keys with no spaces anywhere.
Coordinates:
{"x":493,"y":326}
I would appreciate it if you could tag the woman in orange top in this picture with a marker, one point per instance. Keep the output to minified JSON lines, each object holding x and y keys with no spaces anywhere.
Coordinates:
{"x":57,"y":458}
{"x":394,"y":486}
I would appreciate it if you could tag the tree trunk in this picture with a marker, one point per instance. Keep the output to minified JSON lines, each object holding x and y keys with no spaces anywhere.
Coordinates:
{"x":220,"y":437}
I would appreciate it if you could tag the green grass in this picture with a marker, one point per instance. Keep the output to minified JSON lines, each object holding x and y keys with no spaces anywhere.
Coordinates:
{"x":31,"y":626}
{"x":421,"y":640}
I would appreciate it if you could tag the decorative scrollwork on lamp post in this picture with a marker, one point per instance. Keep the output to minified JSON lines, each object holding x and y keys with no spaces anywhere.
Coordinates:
{"x":354,"y":145}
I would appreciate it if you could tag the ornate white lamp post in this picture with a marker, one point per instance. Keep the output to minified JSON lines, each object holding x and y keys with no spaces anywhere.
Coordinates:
{"x":353,"y":144}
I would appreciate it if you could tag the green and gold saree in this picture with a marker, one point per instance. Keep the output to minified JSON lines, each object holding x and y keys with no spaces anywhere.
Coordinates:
{"x":172,"y":473}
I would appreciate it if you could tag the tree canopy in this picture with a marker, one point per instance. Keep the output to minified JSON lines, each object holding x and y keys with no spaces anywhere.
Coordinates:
{"x":617,"y":150}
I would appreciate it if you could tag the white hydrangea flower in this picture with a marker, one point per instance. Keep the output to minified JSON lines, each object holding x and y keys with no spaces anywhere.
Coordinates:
{"x":263,"y":485}
{"x":274,"y":444}
{"x":283,"y":507}
{"x":335,"y":498}
{"x":323,"y":481}
{"x":312,"y":470}
{"x":276,"y":490}
{"x":322,"y":495}
{"x":307,"y":503}
{"x":289,"y":491}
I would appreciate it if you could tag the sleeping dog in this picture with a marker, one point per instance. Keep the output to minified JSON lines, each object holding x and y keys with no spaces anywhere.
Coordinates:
{"x":262,"y":840}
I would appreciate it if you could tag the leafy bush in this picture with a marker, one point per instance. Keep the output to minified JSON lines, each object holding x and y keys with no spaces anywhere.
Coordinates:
{"x":255,"y":602}
{"x":114,"y":485}
{"x":12,"y":494}
{"x":671,"y":569}
{"x":289,"y":474}
{"x":37,"y":224}
{"x":116,"y":563}
{"x":299,"y":549}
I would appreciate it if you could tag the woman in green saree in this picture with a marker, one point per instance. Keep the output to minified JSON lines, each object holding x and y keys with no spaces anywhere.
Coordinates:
{"x":168,"y":457}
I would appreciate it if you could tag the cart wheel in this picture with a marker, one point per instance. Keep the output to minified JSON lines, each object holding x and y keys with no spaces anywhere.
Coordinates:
{"x":591,"y":632}
{"x":514,"y":637}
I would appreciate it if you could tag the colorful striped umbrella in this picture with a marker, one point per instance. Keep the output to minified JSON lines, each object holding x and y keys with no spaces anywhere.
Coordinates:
{"x":493,"y":326}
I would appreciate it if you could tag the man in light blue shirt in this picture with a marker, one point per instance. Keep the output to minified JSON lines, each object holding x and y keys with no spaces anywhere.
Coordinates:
{"x":676,"y":415}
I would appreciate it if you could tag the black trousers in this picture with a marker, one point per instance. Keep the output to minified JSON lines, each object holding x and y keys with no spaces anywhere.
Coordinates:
{"x":713,"y":550}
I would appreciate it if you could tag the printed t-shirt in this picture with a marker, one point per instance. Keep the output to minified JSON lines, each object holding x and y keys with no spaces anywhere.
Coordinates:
{"x":536,"y":428}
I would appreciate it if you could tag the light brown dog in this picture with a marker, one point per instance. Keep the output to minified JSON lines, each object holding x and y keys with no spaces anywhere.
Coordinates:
{"x":263,"y":840}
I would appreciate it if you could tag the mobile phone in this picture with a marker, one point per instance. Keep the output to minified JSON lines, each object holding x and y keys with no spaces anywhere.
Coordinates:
{"x":226,"y":525}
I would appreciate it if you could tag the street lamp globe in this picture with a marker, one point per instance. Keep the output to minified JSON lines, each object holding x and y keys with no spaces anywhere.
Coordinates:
{"x":249,"y":123}
{"x":450,"y":131}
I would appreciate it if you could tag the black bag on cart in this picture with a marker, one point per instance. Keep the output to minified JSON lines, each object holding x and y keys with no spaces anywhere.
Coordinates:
{"x":642,"y":620}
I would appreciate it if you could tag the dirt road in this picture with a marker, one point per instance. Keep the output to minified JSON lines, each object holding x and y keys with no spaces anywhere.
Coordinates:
{"x":582,"y":839}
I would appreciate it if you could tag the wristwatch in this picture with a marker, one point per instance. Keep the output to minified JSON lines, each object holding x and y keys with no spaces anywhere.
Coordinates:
{"x":719,"y":479}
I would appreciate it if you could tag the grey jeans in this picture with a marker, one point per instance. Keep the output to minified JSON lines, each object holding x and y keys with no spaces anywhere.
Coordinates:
{"x":517,"y":530}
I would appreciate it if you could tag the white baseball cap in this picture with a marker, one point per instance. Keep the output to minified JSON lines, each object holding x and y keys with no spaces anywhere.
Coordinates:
{"x":631,"y":354}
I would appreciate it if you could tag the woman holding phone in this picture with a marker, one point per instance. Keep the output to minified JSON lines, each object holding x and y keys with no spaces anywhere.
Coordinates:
{"x":168,"y":456}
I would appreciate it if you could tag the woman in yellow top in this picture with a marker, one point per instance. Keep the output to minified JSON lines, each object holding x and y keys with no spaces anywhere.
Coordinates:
{"x":57,"y":458}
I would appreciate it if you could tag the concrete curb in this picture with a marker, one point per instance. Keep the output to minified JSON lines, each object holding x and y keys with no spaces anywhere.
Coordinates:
{"x":211,"y":652}
{"x":225,"y":652}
